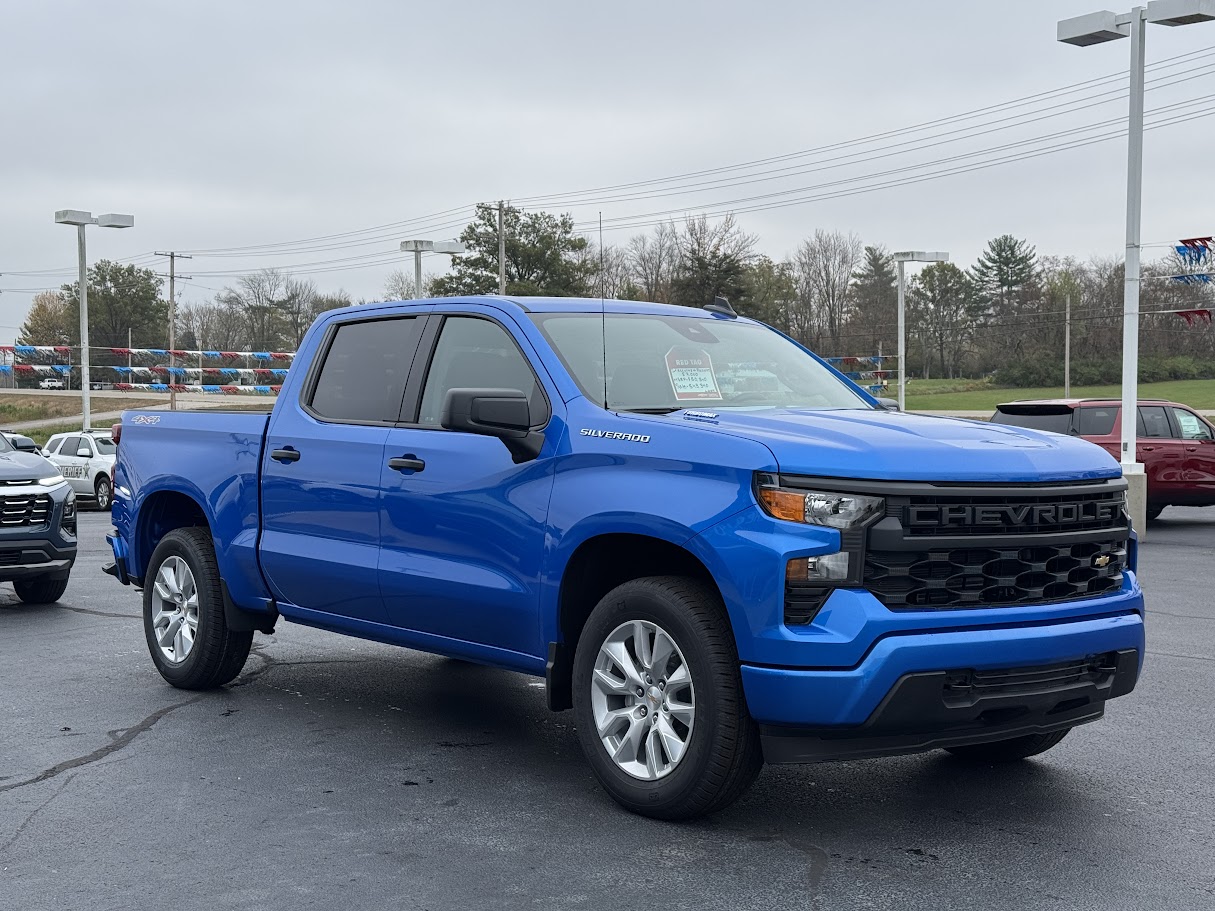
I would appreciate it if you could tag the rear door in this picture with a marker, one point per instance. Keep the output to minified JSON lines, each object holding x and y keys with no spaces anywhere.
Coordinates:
{"x":1198,"y":443}
{"x":463,"y":533}
{"x":321,"y":468}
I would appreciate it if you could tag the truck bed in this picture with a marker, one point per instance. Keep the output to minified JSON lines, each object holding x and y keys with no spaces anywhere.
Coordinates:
{"x":213,"y":456}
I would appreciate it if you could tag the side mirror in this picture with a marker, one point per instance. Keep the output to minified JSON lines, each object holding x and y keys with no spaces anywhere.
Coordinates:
{"x":888,"y":404}
{"x":501,"y":413}
{"x":25,"y":445}
{"x":84,"y":453}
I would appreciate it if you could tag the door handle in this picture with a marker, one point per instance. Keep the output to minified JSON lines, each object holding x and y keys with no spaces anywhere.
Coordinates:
{"x":1191,"y":449}
{"x":285,"y":455}
{"x":406,"y":463}
{"x":1149,"y":448}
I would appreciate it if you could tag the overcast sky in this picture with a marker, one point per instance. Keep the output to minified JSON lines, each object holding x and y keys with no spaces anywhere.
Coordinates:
{"x":235,"y":124}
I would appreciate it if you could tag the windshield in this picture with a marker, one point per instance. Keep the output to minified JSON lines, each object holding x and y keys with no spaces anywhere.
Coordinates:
{"x":665,"y":363}
{"x":105,"y":446}
{"x":5,"y":444}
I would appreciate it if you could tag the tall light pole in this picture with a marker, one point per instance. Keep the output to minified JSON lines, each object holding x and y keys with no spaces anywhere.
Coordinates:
{"x":81,"y":220}
{"x":909,"y":256}
{"x":418,"y":247}
{"x":1098,"y":28}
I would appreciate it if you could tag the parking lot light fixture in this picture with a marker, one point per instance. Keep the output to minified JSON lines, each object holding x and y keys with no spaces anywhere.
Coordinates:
{"x":1098,"y":28}
{"x":81,"y":219}
{"x":418,"y":247}
{"x":909,"y":256}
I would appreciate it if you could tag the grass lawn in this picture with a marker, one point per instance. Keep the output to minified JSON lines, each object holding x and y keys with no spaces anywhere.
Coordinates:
{"x":17,"y":408}
{"x":976,"y":395}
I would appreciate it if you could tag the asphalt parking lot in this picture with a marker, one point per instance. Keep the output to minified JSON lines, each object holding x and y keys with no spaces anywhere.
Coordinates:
{"x":336,"y":773}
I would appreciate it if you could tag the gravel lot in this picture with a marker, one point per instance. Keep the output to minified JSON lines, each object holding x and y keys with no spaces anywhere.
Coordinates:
{"x":337,"y":773}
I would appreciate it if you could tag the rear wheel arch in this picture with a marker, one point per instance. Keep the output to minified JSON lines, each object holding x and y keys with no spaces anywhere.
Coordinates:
{"x":160,"y":513}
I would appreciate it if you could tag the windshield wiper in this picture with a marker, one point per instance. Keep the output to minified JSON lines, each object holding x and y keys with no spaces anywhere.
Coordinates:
{"x":648,"y":410}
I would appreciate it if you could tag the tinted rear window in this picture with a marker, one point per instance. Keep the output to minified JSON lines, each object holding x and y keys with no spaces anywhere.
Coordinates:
{"x":363,"y":376}
{"x":1098,"y":421}
{"x":1055,"y":422}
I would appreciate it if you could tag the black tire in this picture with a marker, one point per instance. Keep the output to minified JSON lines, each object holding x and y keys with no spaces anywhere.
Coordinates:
{"x":104,"y":493}
{"x":1153,"y":512}
{"x":40,"y":589}
{"x":1009,"y":750}
{"x":218,"y":653}
{"x":723,"y":753}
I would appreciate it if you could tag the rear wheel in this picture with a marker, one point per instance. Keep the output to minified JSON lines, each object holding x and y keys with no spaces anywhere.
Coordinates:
{"x":104,"y":492}
{"x":1009,"y":750}
{"x":183,"y":614}
{"x":40,"y":589}
{"x":658,"y":700}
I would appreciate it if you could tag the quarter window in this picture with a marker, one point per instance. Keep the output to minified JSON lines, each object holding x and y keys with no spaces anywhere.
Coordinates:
{"x":478,"y":354}
{"x":1097,"y":422}
{"x":52,"y":446}
{"x":362,"y":379}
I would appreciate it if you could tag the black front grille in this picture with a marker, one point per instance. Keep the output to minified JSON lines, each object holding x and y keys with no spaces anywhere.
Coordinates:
{"x":989,"y":576}
{"x":1028,"y":511}
{"x":24,"y":511}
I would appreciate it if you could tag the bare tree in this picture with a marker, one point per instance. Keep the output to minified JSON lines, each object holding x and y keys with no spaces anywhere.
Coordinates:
{"x":652,"y":260}
{"x":213,"y":326}
{"x":713,"y":258}
{"x":257,"y":297}
{"x":399,"y":286}
{"x":822,"y":268}
{"x":297,"y":307}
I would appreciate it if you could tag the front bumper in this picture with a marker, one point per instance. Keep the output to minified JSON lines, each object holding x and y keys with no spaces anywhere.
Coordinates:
{"x":897,"y":698}
{"x":44,"y":549}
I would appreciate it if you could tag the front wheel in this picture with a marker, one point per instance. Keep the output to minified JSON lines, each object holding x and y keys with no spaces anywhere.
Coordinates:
{"x":40,"y":589}
{"x":658,"y":700}
{"x":1009,"y":750}
{"x":183,"y":614}
{"x":104,"y":493}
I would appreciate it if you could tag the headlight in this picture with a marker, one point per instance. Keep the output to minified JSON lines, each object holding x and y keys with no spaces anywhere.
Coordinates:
{"x":69,"y":506}
{"x":820,"y":507}
{"x":51,"y":480}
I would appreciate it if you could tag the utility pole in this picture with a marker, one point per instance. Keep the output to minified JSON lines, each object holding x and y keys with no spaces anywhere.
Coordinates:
{"x":501,"y":249}
{"x":128,"y":350}
{"x":173,"y":257}
{"x":1067,"y":348}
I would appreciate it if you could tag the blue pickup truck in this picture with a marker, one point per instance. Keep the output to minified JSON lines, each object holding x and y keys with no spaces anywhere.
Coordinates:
{"x":715,"y":549}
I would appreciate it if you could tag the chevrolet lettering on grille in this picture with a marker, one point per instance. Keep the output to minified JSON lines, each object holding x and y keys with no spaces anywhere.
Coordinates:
{"x":1022,"y":514}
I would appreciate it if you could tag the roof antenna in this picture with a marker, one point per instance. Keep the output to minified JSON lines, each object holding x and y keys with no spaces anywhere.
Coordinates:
{"x":722,"y":306}
{"x":603,"y":311}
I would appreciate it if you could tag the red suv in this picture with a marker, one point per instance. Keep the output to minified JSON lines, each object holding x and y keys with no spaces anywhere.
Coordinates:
{"x":1175,"y":445}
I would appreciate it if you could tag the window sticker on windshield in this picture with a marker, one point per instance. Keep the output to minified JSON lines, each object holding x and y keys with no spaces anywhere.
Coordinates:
{"x":692,"y":377}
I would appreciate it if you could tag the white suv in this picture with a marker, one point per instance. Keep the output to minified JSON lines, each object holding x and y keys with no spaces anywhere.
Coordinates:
{"x":86,"y":459}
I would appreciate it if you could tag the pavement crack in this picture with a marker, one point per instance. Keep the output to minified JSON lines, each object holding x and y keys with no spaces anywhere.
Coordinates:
{"x":1176,"y":655}
{"x":127,"y":737}
{"x":99,"y":613}
{"x":33,"y":813}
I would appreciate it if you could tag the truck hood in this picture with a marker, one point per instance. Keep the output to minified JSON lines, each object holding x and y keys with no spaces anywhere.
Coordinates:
{"x":24,"y":466}
{"x":886,"y":445}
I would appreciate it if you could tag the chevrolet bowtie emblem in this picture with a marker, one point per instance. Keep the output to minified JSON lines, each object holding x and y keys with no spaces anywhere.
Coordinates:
{"x":1102,"y":560}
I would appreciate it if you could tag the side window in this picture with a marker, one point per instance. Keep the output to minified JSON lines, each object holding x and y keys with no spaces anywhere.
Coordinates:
{"x":478,"y":354}
{"x":1155,"y":422}
{"x":362,"y":378}
{"x":69,"y":446}
{"x":1192,"y":428}
{"x":1097,"y":422}
{"x":52,"y":446}
{"x":86,"y":446}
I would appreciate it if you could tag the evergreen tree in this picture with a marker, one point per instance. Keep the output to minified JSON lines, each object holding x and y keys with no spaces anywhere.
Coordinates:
{"x":875,"y":299}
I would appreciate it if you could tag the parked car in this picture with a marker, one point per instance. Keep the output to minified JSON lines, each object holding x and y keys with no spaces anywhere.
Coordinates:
{"x":50,"y":382}
{"x":86,"y":459}
{"x":21,"y":442}
{"x":712,"y":572}
{"x":1175,"y":444}
{"x":37,"y":525}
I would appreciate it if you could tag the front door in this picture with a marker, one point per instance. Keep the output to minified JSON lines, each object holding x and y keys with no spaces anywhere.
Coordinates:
{"x":1198,"y":442}
{"x":462,"y":525}
{"x":321,"y":470}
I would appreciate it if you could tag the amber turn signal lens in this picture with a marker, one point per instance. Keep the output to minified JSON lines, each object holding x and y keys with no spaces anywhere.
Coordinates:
{"x":782,"y":504}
